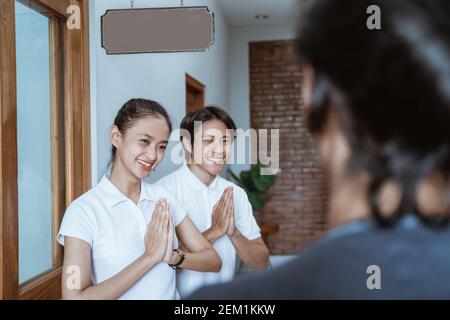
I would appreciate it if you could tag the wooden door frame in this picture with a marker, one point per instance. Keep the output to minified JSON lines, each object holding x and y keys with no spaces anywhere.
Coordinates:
{"x":194,"y":84}
{"x":77,"y":151}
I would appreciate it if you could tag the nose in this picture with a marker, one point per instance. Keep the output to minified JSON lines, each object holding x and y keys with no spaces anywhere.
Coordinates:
{"x":151,"y":153}
{"x":218,"y":148}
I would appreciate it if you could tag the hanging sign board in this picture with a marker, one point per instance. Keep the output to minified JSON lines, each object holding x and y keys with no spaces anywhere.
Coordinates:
{"x":157,"y":30}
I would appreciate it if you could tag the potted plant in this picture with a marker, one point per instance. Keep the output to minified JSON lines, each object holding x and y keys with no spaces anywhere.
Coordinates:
{"x":254,"y":184}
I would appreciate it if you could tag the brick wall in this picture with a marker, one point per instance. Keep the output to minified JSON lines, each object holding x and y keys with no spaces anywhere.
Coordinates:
{"x":298,"y":198}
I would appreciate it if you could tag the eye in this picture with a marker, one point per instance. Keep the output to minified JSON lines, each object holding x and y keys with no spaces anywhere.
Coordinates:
{"x":162,"y":147}
{"x":207,"y":140}
{"x":145,"y":141}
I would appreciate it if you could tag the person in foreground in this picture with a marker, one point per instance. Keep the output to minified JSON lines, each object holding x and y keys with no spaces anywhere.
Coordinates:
{"x":219,"y":208}
{"x":120,"y":235}
{"x":379,"y":106}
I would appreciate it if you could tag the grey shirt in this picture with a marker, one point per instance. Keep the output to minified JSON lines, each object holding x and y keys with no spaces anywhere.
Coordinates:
{"x":413,"y":261}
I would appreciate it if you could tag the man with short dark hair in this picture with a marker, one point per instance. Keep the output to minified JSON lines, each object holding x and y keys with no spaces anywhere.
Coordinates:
{"x":219,"y":208}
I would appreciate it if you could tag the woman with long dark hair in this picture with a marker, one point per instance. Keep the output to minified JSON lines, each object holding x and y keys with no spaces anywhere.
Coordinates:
{"x":121,"y":237}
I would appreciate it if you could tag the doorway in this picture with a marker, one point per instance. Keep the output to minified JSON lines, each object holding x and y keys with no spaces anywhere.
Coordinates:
{"x":195,"y":94}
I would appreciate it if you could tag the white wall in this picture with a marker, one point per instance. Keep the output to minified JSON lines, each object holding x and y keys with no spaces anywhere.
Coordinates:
{"x":157,"y":76}
{"x":239,"y":73}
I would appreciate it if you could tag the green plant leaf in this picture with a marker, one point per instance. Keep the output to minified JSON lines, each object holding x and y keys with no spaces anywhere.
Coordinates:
{"x":255,"y":200}
{"x":254,"y":185}
{"x":247,"y":182}
{"x":261,"y":182}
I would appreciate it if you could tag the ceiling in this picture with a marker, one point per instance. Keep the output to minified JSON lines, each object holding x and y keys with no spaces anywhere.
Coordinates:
{"x":243,"y":12}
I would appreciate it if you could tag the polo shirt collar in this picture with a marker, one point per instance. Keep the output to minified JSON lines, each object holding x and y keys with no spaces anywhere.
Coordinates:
{"x":195,"y":183}
{"x":110,"y":195}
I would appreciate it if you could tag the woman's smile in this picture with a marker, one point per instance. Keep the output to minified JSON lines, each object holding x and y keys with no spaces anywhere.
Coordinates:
{"x":145,"y":165}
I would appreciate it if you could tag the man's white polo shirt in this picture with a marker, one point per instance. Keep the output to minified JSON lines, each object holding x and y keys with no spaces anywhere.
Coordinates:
{"x":198,"y":200}
{"x":114,"y":227}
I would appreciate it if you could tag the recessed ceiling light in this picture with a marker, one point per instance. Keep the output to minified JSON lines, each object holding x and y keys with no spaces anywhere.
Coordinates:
{"x":261,"y":17}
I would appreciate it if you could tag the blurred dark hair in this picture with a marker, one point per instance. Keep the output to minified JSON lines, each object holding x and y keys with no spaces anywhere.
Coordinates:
{"x":135,"y":109}
{"x":392,"y":87}
{"x":202,"y":115}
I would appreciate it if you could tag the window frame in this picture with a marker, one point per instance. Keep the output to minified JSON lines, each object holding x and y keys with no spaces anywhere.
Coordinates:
{"x":71,"y":176}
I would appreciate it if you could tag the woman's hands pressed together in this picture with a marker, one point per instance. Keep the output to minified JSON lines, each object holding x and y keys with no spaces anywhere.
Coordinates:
{"x":159,"y":234}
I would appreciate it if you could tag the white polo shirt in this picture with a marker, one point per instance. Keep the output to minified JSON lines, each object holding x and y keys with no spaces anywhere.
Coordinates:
{"x":198,"y":200}
{"x":114,"y":227}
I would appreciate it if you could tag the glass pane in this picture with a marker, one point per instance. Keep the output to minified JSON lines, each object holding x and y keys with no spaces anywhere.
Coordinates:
{"x":34,"y":142}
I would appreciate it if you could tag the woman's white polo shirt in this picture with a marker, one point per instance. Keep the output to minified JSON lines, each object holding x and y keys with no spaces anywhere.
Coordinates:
{"x":114,"y":227}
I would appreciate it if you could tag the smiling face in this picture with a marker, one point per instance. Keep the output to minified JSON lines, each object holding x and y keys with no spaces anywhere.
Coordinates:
{"x":141,"y":147}
{"x":212,"y":145}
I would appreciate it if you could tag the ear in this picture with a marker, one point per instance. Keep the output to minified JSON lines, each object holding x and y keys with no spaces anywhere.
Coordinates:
{"x":309,"y":78}
{"x":233,"y":134}
{"x":187,"y":146}
{"x":115,"y":135}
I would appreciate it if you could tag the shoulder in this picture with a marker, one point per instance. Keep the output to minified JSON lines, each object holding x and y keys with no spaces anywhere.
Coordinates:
{"x":299,"y":278}
{"x":81,"y":218}
{"x":336,"y":268}
{"x":278,"y":283}
{"x":86,"y":203}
